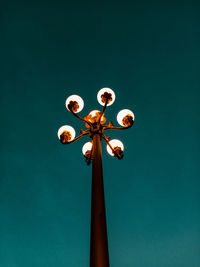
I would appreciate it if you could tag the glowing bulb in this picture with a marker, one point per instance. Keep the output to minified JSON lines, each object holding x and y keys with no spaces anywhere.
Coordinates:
{"x":78,"y":100}
{"x":66,"y":133}
{"x":115,"y":143}
{"x":96,"y":113}
{"x":93,"y":112}
{"x":125,"y":117}
{"x":87,"y":147}
{"x":101,"y":99}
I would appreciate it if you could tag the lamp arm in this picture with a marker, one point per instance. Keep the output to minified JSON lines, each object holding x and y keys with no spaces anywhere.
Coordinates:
{"x":107,"y":141}
{"x":107,"y":127}
{"x":78,"y":137}
{"x":103,"y":111}
{"x":80,"y":118}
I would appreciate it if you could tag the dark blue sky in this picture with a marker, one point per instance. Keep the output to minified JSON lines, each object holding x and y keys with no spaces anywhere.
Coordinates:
{"x":148,"y":53}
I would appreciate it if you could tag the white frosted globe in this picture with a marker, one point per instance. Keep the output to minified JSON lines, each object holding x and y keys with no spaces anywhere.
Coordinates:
{"x":114,"y":143}
{"x":93,"y":113}
{"x":101,"y":92}
{"x":123,"y":113}
{"x":67,"y":128}
{"x":76,"y":98}
{"x":87,"y":146}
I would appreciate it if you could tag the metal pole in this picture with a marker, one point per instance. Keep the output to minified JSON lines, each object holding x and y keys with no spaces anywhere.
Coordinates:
{"x":98,"y":238}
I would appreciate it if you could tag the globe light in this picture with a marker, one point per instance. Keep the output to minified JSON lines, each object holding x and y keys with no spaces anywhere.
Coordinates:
{"x":115,"y":143}
{"x":125,"y":117}
{"x":95,"y":113}
{"x":86,"y":147}
{"x":102,"y":92}
{"x":66,"y":134}
{"x":78,"y":105}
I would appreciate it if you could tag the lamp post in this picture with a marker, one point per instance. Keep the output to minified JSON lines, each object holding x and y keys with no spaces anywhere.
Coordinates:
{"x":94,"y":123}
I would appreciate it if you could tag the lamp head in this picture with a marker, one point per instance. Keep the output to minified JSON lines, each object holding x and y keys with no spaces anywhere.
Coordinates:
{"x":94,"y":116}
{"x":106,"y":94}
{"x":117,"y":146}
{"x":66,"y":134}
{"x":125,"y":118}
{"x":74,"y":103}
{"x":87,"y":147}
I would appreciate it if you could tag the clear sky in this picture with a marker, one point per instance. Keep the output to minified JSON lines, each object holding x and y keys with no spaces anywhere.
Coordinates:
{"x":148,"y":52}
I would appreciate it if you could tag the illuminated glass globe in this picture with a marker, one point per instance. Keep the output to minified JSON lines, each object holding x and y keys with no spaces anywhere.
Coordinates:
{"x":117,"y":145}
{"x":76,"y":103}
{"x":125,"y":117}
{"x":86,"y":147}
{"x":66,"y":134}
{"x":95,"y":115}
{"x":103,"y":93}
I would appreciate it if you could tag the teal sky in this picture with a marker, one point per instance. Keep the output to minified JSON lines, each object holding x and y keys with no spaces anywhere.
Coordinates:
{"x":148,"y":52}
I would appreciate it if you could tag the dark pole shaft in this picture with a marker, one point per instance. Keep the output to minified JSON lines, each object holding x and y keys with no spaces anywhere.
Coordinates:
{"x":98,"y":239}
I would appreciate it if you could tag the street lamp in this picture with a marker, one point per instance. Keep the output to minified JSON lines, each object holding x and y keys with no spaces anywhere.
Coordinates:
{"x":94,"y":123}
